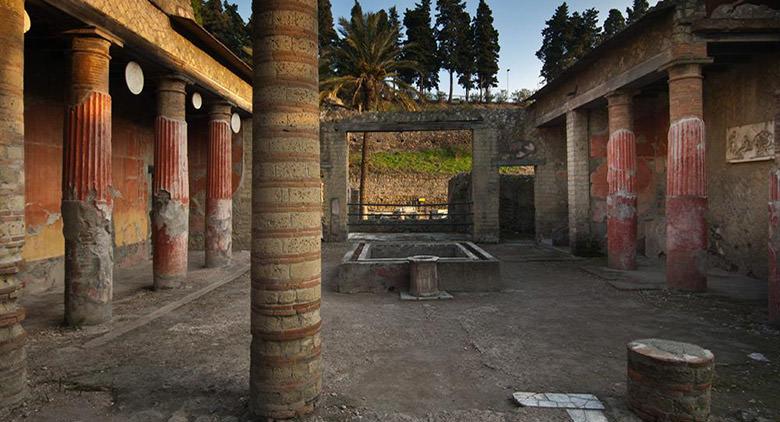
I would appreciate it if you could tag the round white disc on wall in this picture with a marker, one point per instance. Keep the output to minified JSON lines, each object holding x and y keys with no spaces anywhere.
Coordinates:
{"x":134,"y":76}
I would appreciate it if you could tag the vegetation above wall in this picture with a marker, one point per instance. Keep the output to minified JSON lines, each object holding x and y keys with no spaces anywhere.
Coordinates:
{"x":436,"y":161}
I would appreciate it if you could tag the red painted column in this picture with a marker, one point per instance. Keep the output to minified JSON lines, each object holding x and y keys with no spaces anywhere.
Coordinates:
{"x":171,"y":189}
{"x":219,"y":194}
{"x":774,"y":226}
{"x":686,"y":191}
{"x":13,"y":354}
{"x":621,"y":177}
{"x":87,"y":204}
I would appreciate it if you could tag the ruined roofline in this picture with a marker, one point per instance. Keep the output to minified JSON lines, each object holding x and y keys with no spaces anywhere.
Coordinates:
{"x":659,"y":10}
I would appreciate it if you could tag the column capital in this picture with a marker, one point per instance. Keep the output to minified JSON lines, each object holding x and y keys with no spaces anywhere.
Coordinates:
{"x":621,"y":95}
{"x":92,"y":32}
{"x":220,"y":110}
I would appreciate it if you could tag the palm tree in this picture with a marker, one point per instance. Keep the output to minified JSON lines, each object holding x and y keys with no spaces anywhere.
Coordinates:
{"x":368,"y":71}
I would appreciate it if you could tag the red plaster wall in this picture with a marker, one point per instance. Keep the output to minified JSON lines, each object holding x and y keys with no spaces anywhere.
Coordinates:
{"x":651,"y":124}
{"x":133,"y":137}
{"x":197,"y":145}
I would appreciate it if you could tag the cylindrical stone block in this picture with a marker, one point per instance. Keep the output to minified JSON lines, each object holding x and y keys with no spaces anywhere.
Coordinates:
{"x":286,"y":370}
{"x":774,"y":227}
{"x":424,"y":276}
{"x":13,"y":357}
{"x":171,"y":189}
{"x":87,"y":204}
{"x":669,"y":381}
{"x":686,"y":191}
{"x":219,"y":193}
{"x":621,"y":178}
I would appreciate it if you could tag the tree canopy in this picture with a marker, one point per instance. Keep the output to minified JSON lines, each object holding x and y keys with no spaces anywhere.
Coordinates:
{"x":487,"y":47}
{"x":420,"y":47}
{"x":221,"y":19}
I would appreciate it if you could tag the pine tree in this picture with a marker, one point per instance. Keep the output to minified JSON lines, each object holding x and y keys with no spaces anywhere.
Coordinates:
{"x":582,"y":35}
{"x":553,"y":50}
{"x":448,"y":33}
{"x":635,"y":13}
{"x":420,"y":47}
{"x":466,"y":54}
{"x":614,"y":23}
{"x":237,"y":38}
{"x":395,"y":22}
{"x":487,"y":47}
{"x":327,"y":34}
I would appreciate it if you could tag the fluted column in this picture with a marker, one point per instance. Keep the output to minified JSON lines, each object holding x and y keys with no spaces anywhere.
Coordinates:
{"x":686,"y":190}
{"x":774,"y":226}
{"x":219,"y":194}
{"x":13,"y":357}
{"x":621,"y":178}
{"x":285,"y":377}
{"x":171,"y":189}
{"x":87,"y":203}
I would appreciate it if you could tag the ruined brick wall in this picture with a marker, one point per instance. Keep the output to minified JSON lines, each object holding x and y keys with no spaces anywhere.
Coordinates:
{"x":518,"y":143}
{"x":133,"y":137}
{"x":738,"y":192}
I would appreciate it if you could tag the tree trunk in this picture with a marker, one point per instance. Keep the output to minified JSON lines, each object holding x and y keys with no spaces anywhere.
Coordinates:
{"x":467,"y":94}
{"x":452,"y":81}
{"x":363,"y":173}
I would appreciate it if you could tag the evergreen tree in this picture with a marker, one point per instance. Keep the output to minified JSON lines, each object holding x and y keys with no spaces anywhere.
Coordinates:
{"x":466,"y":55}
{"x":395,"y":22}
{"x":197,"y":9}
{"x":614,"y":23}
{"x":487,"y":47}
{"x":327,"y":34}
{"x":449,"y":30}
{"x":553,"y":50}
{"x":420,"y":47}
{"x":238,"y":37}
{"x":582,"y":35}
{"x":635,"y":13}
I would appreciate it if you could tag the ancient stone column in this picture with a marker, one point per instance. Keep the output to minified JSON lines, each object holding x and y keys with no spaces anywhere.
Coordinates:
{"x":578,"y":182}
{"x":87,"y":204}
{"x":621,"y":178}
{"x":669,"y":381}
{"x":286,"y":371}
{"x":171,"y":188}
{"x":686,"y":190}
{"x":219,"y":194}
{"x":13,"y":357}
{"x":774,"y":226}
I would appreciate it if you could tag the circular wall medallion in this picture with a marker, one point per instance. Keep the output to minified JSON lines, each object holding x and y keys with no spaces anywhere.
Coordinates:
{"x":197,"y":101}
{"x":134,"y":76}
{"x":27,"y":22}
{"x":235,"y":123}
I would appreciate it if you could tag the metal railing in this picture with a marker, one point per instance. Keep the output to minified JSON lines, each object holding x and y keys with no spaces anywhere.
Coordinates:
{"x":419,"y":215}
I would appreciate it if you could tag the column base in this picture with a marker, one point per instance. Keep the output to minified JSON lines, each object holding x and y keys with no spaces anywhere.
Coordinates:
{"x":621,"y":233}
{"x":89,"y":262}
{"x":219,"y":233}
{"x":686,"y":244}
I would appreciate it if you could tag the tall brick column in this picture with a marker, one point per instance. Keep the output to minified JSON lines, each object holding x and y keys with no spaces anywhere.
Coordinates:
{"x":485,"y":186}
{"x":87,"y":205}
{"x":774,"y":226}
{"x":621,"y":178}
{"x":286,"y":370}
{"x":171,"y":189}
{"x":219,"y":194}
{"x":13,"y":357}
{"x":578,"y":169}
{"x":686,"y":191}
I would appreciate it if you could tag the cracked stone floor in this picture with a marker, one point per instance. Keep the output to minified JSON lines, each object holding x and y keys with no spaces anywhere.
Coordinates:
{"x":559,"y":329}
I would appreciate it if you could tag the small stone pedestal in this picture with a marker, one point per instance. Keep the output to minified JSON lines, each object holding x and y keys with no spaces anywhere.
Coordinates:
{"x":669,"y":381}
{"x":424,"y":279}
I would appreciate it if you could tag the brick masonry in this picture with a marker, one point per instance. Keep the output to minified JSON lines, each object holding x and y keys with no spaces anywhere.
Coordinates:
{"x":286,"y":367}
{"x":13,"y":354}
{"x":669,"y":381}
{"x":499,"y":139}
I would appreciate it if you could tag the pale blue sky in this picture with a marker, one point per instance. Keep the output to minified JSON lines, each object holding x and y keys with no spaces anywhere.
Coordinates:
{"x":519,"y":22}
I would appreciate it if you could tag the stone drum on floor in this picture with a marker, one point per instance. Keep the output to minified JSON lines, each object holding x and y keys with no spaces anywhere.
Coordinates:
{"x":669,"y":381}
